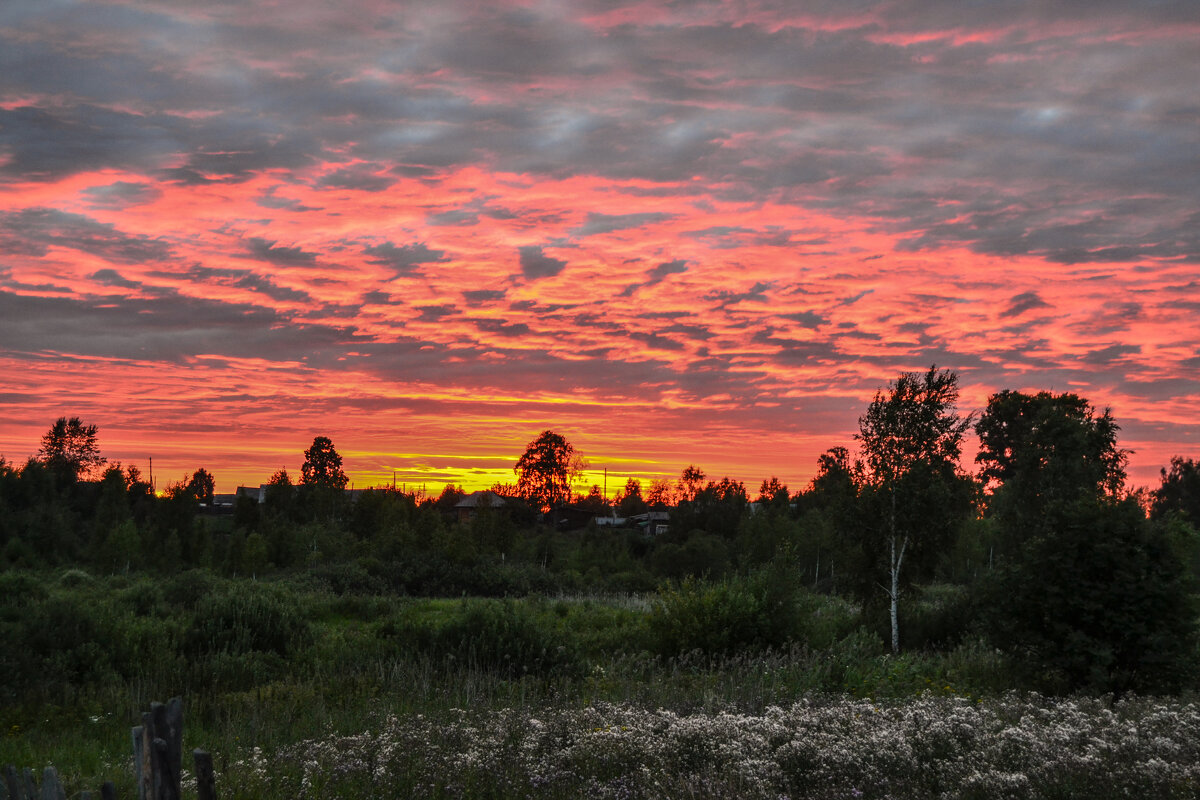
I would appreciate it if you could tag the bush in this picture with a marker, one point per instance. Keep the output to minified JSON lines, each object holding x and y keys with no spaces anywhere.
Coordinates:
{"x":187,"y":589}
{"x":247,"y":618}
{"x":739,"y":613}
{"x":350,"y":578}
{"x":499,"y":636}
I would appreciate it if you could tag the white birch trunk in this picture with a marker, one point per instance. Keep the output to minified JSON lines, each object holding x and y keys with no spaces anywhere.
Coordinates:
{"x":896,"y":561}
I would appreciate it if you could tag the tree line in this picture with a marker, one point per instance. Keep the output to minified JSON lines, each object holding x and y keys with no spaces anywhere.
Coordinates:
{"x":1043,"y":549}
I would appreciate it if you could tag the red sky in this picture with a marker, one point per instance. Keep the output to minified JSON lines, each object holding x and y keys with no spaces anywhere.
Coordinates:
{"x":676,"y":233}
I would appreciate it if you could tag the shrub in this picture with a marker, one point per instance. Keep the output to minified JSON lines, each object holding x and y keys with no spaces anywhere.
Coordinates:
{"x":723,"y":617}
{"x":247,"y":618}
{"x":187,"y":589}
{"x":499,"y":636}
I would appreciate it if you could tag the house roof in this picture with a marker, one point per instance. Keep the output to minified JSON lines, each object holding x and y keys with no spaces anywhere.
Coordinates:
{"x":485,"y":498}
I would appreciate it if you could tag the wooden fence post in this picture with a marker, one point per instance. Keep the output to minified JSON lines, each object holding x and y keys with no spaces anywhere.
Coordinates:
{"x":137,"y":762}
{"x":52,"y":788}
{"x":206,"y":785}
{"x":157,"y":764}
{"x":10,"y":783}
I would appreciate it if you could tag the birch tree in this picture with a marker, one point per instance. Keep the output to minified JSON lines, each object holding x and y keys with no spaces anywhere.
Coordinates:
{"x":910,"y":440}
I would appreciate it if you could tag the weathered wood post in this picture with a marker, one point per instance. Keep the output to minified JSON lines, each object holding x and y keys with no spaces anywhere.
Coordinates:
{"x":52,"y":788}
{"x":206,"y":784}
{"x":158,"y":751}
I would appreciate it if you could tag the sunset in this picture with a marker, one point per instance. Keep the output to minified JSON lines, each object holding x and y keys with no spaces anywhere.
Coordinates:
{"x":675,"y":233}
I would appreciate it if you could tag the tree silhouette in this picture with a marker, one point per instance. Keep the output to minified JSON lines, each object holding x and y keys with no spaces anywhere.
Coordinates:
{"x":1049,"y":447}
{"x":911,"y":439}
{"x":691,"y":481}
{"x":1179,"y":492}
{"x":322,"y":466}
{"x":70,"y":448}
{"x":546,"y":470}
{"x":201,"y":486}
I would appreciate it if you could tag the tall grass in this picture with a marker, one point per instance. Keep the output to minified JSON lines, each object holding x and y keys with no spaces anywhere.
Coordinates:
{"x":266,"y":665}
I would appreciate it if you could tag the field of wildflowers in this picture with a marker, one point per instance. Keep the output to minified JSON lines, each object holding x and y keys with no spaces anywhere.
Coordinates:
{"x":301,"y":692}
{"x":1013,"y":746}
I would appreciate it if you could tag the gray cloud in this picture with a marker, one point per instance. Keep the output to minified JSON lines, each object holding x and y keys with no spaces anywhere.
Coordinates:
{"x":1026,"y":301}
{"x":279,"y":255}
{"x":608,"y":223}
{"x":121,"y":194}
{"x":170,"y":329}
{"x":536,"y":264}
{"x":656,"y":275}
{"x":361,"y":178}
{"x":405,"y":259}
{"x":32,"y":231}
{"x":483,"y":296}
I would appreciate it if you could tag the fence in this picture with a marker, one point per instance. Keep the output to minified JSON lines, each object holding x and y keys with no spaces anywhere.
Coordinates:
{"x":157,"y":764}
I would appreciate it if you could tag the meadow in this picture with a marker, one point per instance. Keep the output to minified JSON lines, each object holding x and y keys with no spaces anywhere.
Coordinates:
{"x":302,"y":690}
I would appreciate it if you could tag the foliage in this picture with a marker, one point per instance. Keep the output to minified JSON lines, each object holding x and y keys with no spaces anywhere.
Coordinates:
{"x":728,"y":616}
{"x":246,"y":617}
{"x":629,"y":501}
{"x":322,"y":466}
{"x":913,"y":497}
{"x":1019,"y":746}
{"x":914,"y":423}
{"x":70,"y":449}
{"x":500,"y":636}
{"x":716,"y":508}
{"x":1179,"y":491}
{"x":691,"y":481}
{"x":546,"y":470}
{"x":201,"y":486}
{"x":1099,"y":602}
{"x":1044,"y":449}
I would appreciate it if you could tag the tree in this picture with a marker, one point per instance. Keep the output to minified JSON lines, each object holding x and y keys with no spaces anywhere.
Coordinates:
{"x":201,"y":486}
{"x":691,"y":481}
{"x":1099,"y":601}
{"x":546,"y":470}
{"x":1047,"y":448}
{"x":323,"y":466}
{"x":661,"y":494}
{"x":70,"y":448}
{"x":630,"y":501}
{"x":773,"y":494}
{"x":834,"y":484}
{"x":911,"y":440}
{"x":595,"y":502}
{"x":1085,"y":590}
{"x":279,"y":496}
{"x":1179,"y":491}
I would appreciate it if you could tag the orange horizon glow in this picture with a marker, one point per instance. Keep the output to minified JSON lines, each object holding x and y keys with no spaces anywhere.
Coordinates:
{"x":676,"y":235}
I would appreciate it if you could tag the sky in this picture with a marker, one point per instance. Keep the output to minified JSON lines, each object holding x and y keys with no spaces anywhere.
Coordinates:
{"x":674,"y":232}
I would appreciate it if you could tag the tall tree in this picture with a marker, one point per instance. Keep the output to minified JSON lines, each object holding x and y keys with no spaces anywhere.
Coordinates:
{"x":546,"y":470}
{"x":202,"y":486}
{"x":70,"y":449}
{"x":1085,"y":591}
{"x":661,"y":493}
{"x":630,"y":501}
{"x":1178,"y":492}
{"x":323,"y":466}
{"x":1046,"y":448}
{"x":911,"y":440}
{"x":691,"y":481}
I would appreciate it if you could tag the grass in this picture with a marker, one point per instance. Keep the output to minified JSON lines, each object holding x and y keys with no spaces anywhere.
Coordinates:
{"x":267,"y":665}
